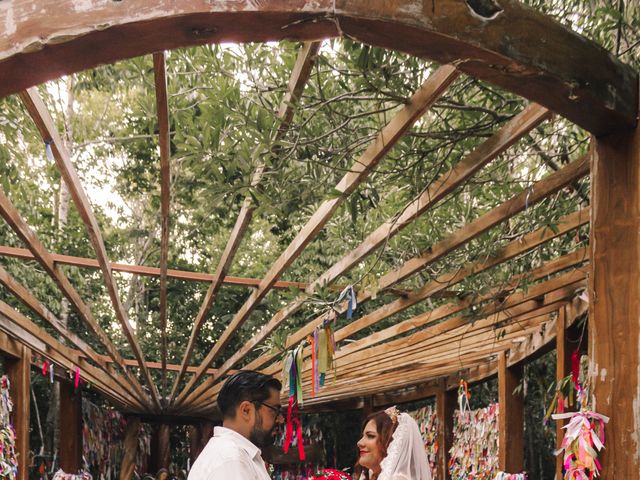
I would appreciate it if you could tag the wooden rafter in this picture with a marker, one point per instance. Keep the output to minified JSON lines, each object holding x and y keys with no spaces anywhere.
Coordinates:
{"x":147,"y":271}
{"x":428,"y":93}
{"x":49,"y":133}
{"x":30,"y":301}
{"x":162,"y":107}
{"x":299,"y":77}
{"x":37,"y":339}
{"x":511,"y":250}
{"x":40,"y":253}
{"x":486,"y":152}
{"x":537,"y":192}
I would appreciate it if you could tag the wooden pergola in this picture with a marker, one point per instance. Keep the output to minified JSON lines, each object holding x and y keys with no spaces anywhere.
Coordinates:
{"x":418,"y":357}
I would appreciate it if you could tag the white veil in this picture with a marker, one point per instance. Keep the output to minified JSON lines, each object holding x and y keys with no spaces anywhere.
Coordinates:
{"x":406,"y":458}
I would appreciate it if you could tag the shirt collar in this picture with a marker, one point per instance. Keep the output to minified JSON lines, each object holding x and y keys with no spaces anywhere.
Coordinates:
{"x":235,"y":437}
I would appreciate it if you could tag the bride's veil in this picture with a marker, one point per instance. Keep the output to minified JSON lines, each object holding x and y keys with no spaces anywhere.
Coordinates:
{"x":406,"y":458}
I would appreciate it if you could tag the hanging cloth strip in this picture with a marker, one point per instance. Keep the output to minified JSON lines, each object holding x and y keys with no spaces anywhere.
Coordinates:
{"x":581,"y":444}
{"x":463,"y":396}
{"x":294,"y":426}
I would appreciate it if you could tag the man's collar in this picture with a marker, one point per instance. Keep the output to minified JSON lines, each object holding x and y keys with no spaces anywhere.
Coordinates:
{"x":241,"y":441}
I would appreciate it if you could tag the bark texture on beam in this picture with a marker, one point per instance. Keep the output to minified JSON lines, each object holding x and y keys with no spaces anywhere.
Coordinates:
{"x":516,"y":48}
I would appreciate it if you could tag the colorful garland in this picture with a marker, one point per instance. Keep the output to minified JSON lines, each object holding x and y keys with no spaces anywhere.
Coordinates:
{"x":8,"y":458}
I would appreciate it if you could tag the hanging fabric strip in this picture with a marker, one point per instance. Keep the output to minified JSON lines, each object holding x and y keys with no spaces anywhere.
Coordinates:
{"x":76,"y":380}
{"x":311,"y":340}
{"x":47,"y":148}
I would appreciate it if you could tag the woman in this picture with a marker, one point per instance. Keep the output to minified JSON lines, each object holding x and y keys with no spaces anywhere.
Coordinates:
{"x":391,"y":448}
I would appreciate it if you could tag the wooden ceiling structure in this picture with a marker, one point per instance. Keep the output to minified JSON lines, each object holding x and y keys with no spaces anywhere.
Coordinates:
{"x":513,"y":47}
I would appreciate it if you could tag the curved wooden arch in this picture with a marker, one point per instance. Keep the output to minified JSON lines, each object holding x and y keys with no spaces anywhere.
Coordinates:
{"x":509,"y":45}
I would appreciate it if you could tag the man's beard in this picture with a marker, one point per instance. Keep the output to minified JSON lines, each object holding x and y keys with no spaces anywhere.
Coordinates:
{"x":258,"y":436}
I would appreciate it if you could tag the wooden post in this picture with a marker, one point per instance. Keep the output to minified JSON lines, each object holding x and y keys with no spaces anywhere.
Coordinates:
{"x":563,"y":367}
{"x":130,"y":448}
{"x":163,"y":447}
{"x":445,"y":406}
{"x":511,"y":439}
{"x":19,"y":373}
{"x":206,"y":432}
{"x":71,"y":427}
{"x":614,"y":289}
{"x":195,"y":442}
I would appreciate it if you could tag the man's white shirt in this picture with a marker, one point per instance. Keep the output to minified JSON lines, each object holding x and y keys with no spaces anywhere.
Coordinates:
{"x":229,"y":456}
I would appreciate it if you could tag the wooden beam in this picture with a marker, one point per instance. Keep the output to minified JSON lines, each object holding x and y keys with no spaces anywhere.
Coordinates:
{"x":614,"y":290}
{"x":511,"y":422}
{"x":467,"y":167}
{"x":299,"y":77}
{"x":426,"y":95}
{"x":150,"y":271}
{"x":38,"y":340}
{"x":31,"y":302}
{"x":162,"y":107}
{"x":50,"y":135}
{"x":70,"y":419}
{"x":543,"y":61}
{"x":19,"y":372}
{"x":44,"y":258}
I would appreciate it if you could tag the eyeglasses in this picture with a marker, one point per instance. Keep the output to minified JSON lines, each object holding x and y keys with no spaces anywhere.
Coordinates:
{"x":277,"y":410}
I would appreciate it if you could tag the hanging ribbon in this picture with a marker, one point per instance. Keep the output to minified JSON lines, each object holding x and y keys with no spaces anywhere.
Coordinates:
{"x":311,"y":340}
{"x":47,"y":148}
{"x":293,"y":422}
{"x":463,"y":396}
{"x":45,"y":368}
{"x":575,"y":367}
{"x":349,"y":295}
{"x":76,"y":380}
{"x":51,"y":373}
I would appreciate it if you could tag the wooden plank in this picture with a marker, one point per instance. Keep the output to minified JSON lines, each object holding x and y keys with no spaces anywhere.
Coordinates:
{"x":148,"y":271}
{"x":19,"y":372}
{"x":299,"y":77}
{"x":511,"y":422}
{"x":614,"y":289}
{"x":43,"y":121}
{"x":29,"y":300}
{"x":44,"y":258}
{"x":70,"y":418}
{"x":426,"y":95}
{"x":487,"y":151}
{"x":38,"y":340}
{"x":543,"y":61}
{"x":162,"y":107}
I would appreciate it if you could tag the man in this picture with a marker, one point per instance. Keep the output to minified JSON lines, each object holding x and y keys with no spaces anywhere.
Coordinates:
{"x":250,"y":406}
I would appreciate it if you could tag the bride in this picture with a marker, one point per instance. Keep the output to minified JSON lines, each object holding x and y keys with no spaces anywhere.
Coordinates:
{"x":391,"y":448}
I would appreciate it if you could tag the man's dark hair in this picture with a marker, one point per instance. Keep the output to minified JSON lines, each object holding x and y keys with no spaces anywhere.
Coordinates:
{"x":245,"y":385}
